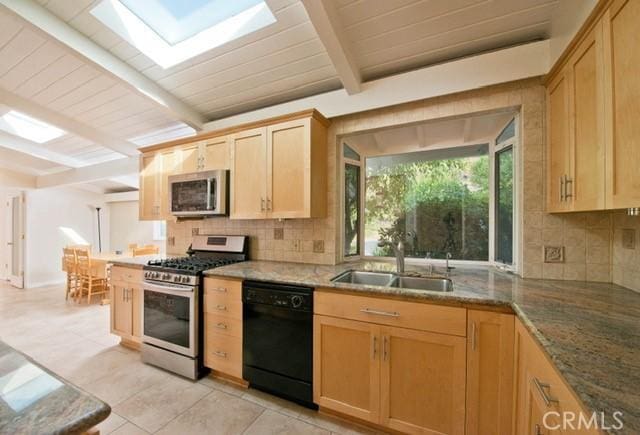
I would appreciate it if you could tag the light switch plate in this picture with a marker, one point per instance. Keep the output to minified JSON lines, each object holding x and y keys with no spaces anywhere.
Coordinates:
{"x":278,"y":233}
{"x":318,"y":246}
{"x":554,"y":254}
{"x":629,"y":239}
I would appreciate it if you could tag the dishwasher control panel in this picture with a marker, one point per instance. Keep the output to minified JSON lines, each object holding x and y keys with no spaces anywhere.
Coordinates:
{"x":285,"y":297}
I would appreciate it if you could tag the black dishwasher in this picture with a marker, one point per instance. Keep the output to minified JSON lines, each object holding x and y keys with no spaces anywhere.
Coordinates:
{"x":277,"y":339}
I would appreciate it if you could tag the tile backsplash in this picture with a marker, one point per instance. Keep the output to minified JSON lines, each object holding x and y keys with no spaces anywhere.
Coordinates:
{"x":626,"y":250}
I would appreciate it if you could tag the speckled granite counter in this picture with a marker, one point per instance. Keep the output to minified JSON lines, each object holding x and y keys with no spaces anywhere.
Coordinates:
{"x":590,"y":330}
{"x":136,"y":262}
{"x":35,"y":401}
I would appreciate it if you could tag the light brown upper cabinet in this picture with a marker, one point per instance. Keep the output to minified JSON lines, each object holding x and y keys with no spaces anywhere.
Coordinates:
{"x":593,"y":104}
{"x":622,"y":72}
{"x":575,"y":145}
{"x":279,"y":171}
{"x":490,"y":338}
{"x":205,"y":155}
{"x":154,"y":185}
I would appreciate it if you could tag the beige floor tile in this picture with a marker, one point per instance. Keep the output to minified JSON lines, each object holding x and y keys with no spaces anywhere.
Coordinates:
{"x":113,"y":422}
{"x":218,"y":413}
{"x":121,"y":384}
{"x":272,"y":423}
{"x":156,"y":406}
{"x":129,"y":429}
{"x":227,"y":387}
{"x":87,"y":370}
{"x":272,"y":402}
{"x":334,"y":425}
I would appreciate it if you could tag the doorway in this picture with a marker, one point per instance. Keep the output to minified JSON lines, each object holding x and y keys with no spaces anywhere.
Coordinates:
{"x":14,"y":237}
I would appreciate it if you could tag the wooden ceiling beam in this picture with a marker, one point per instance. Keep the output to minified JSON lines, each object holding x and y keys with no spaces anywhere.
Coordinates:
{"x":324,"y":19}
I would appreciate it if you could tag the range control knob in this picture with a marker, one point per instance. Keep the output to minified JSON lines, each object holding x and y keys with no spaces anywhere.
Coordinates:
{"x":296,"y":301}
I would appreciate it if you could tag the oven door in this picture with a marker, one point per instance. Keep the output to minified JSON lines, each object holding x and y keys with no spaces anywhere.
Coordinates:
{"x":170,"y":316}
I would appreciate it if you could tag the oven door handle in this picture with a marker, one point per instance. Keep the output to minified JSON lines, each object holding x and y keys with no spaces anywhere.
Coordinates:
{"x":209,"y":181}
{"x":169,"y":289}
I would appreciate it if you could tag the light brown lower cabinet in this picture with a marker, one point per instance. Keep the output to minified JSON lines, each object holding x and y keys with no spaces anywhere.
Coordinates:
{"x":408,"y":380}
{"x":542,"y":397}
{"x":489,"y":373}
{"x":126,"y":310}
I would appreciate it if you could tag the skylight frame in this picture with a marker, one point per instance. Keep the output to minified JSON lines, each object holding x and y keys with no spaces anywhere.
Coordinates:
{"x":29,"y":128}
{"x":131,"y":28}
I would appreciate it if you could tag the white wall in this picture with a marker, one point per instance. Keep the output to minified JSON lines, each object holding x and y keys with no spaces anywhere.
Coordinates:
{"x":5,"y":194}
{"x":566,"y":20}
{"x":125,"y":228}
{"x":47,"y":211}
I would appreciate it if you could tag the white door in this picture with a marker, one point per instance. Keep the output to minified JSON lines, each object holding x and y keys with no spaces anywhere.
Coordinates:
{"x":15,"y":240}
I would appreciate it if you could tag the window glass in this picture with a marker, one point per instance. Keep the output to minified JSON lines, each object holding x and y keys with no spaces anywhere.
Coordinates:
{"x":351,"y":210}
{"x":350,"y":153}
{"x":504,"y":205}
{"x":508,"y":132}
{"x":436,"y":201}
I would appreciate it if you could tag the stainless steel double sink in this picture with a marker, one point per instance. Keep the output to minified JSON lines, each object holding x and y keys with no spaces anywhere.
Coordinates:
{"x":387,"y":279}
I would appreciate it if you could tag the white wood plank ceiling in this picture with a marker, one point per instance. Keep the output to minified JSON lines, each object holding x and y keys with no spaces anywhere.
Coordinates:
{"x":290,"y":59}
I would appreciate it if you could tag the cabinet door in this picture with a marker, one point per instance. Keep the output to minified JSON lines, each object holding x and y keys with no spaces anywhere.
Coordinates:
{"x":149,"y":206}
{"x":489,"y":373}
{"x":215,"y":154}
{"x":346,"y":367}
{"x":558,"y":149}
{"x":289,"y":169}
{"x":169,"y":165}
{"x":622,"y":108}
{"x":248,"y":174}
{"x":586,"y":74}
{"x":190,"y":158}
{"x":422,"y":381}
{"x":135,"y":295}
{"x":121,"y":320}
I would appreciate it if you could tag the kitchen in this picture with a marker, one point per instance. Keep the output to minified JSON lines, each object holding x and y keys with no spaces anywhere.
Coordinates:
{"x":428,"y":252}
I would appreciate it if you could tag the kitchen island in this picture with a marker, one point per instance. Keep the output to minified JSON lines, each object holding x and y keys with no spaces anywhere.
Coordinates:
{"x":34,"y":400}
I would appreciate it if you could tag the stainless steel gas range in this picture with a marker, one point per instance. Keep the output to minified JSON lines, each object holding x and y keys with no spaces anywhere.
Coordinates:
{"x":172,"y":330}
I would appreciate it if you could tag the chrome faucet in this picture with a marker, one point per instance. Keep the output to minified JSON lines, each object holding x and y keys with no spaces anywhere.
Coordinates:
{"x":398,"y":250}
{"x":448,"y":257}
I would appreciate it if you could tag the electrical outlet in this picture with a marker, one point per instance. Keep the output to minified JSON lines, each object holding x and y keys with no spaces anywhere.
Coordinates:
{"x":278,"y":233}
{"x":554,"y":254}
{"x":297,"y":245}
{"x":629,"y":239}
{"x":318,"y":246}
{"x":195,"y":231}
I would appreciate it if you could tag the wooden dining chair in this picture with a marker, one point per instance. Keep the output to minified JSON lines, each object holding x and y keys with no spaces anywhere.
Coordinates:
{"x":146,"y":250}
{"x":89,"y":283}
{"x":71,"y":266}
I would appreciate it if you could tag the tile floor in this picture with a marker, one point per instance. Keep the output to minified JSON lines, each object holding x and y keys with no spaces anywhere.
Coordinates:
{"x":74,"y":341}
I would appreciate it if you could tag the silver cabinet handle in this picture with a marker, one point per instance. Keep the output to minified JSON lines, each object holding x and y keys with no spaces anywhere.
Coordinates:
{"x":568,"y":192}
{"x":380,"y":313}
{"x":220,"y":289}
{"x":542,"y":389}
{"x":374,"y":346}
{"x":221,"y":307}
{"x":221,"y":326}
{"x":220,"y":354}
{"x":473,"y":336}
{"x":384,"y":348}
{"x":261,"y":204}
{"x":562,"y":189}
{"x":268,"y":204}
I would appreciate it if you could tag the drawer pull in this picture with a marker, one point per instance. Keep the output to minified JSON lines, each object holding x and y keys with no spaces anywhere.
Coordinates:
{"x":541,"y":386}
{"x":221,"y":326}
{"x":220,"y":354}
{"x":374,"y":347}
{"x":221,"y":307}
{"x":380,"y":313}
{"x":220,"y":289}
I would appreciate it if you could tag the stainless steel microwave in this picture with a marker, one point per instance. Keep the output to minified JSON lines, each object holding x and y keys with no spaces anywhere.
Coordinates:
{"x":199,"y":193}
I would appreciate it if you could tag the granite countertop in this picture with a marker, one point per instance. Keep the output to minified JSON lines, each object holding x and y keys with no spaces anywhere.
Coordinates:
{"x":34,"y":400}
{"x":591,"y":331}
{"x":137,"y":262}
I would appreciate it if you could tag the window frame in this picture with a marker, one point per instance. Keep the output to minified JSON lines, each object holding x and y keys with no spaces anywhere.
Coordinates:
{"x":494,"y":147}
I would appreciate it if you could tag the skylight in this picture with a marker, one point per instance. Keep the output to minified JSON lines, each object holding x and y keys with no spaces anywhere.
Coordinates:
{"x":172,"y":31}
{"x":29,"y":128}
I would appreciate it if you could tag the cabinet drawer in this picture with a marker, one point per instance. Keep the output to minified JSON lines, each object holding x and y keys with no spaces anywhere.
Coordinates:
{"x":223,"y":353}
{"x":414,"y":315}
{"x":126,"y":274}
{"x":223,"y":297}
{"x":223,"y":325}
